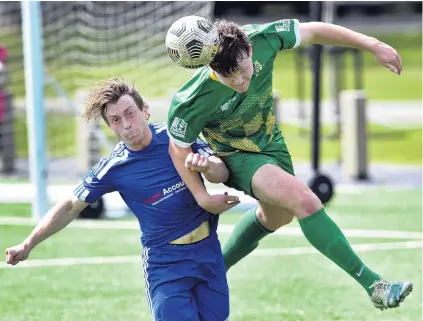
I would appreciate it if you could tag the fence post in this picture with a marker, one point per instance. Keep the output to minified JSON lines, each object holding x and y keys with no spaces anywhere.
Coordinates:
{"x":7,"y":134}
{"x":354,"y":134}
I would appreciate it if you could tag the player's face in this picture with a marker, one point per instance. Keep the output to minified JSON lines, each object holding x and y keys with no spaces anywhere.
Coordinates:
{"x":240,"y":80}
{"x":129,"y":122}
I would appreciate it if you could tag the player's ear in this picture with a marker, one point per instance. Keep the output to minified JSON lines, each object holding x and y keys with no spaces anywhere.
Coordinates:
{"x":145,"y":111}
{"x":250,"y":50}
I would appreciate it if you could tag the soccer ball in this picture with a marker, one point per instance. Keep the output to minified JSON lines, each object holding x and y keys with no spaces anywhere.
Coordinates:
{"x":192,"y":42}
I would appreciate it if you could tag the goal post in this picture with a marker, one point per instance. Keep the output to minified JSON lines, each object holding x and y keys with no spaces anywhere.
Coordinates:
{"x":59,"y":49}
{"x":34,"y":85}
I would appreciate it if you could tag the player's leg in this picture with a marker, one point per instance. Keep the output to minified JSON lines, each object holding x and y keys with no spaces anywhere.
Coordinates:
{"x":212,"y":291}
{"x":168,"y":290}
{"x":171,"y":301}
{"x":250,"y":229}
{"x":212,"y":302}
{"x":268,"y":176}
{"x":275,"y":186}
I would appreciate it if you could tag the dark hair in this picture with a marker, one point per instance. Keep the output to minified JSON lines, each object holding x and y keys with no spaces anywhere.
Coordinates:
{"x":109,"y":92}
{"x":234,"y":45}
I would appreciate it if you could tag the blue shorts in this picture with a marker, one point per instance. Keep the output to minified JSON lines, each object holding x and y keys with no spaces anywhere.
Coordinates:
{"x":187,"y":282}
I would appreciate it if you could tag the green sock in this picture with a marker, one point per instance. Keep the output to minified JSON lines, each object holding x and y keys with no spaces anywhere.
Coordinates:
{"x":325,"y":236}
{"x":244,"y":239}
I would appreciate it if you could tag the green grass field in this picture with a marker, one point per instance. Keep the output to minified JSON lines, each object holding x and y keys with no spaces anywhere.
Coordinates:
{"x":275,"y":287}
{"x":386,"y":145}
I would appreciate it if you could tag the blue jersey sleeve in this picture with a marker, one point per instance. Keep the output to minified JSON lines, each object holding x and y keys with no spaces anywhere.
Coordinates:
{"x":202,"y":148}
{"x":96,"y":183}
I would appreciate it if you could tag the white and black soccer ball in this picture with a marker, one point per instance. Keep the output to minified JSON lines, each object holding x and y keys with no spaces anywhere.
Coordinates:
{"x":192,"y":42}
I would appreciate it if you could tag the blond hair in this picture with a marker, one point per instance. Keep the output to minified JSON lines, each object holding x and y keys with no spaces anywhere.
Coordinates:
{"x":106,"y":92}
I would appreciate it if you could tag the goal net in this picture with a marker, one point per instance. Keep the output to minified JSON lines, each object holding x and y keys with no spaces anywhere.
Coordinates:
{"x":85,"y":42}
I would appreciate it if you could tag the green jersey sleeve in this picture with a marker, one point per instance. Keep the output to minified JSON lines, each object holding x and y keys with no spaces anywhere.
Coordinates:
{"x":282,"y":34}
{"x":187,"y":114}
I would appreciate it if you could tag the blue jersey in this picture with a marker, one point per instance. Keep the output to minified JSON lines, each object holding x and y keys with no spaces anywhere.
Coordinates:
{"x":150,"y":186}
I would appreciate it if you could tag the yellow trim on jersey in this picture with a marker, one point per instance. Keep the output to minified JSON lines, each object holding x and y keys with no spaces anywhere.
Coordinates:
{"x":213,"y":76}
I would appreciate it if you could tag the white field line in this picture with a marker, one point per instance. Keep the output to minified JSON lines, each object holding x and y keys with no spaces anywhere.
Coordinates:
{"x":25,"y":192}
{"x":259,"y":252}
{"x":223,"y":228}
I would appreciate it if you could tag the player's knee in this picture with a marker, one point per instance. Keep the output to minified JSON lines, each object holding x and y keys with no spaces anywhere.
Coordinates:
{"x":259,"y":213}
{"x":277,"y":216}
{"x":309,"y":202}
{"x":288,"y":217}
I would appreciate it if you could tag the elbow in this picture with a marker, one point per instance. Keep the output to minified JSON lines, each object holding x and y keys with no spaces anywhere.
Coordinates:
{"x":74,"y":206}
{"x":224,"y":176}
{"x":221,"y":176}
{"x":215,"y":179}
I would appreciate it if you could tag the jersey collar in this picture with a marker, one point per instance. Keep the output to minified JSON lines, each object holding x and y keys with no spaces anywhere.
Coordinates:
{"x":213,"y":75}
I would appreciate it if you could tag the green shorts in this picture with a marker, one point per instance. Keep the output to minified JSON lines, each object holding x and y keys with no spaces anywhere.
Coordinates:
{"x":243,"y":165}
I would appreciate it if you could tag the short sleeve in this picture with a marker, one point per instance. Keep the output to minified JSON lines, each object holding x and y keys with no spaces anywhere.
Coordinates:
{"x":96,"y":183}
{"x":186,"y":119}
{"x":283,"y":34}
{"x":202,"y":148}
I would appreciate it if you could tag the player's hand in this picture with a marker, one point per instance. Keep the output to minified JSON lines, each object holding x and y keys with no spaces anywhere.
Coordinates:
{"x":196,"y":163}
{"x":388,"y":57}
{"x":17,"y":253}
{"x":218,"y":204}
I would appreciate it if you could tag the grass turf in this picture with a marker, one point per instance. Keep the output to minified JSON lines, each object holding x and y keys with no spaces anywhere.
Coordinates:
{"x":290,"y":288}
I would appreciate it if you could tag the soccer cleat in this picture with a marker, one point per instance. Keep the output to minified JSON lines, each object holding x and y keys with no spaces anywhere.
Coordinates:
{"x":387,"y":295}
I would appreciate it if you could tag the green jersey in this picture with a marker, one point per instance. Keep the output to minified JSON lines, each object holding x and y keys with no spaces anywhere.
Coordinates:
{"x":228,"y":120}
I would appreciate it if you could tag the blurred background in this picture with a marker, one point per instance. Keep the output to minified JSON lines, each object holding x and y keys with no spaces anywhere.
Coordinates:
{"x":370,"y":149}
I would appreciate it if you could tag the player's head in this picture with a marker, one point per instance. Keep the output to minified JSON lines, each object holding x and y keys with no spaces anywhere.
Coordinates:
{"x":233,"y":64}
{"x":123,"y":109}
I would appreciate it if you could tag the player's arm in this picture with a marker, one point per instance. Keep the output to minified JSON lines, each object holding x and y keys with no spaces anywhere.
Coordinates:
{"x":329,"y":34}
{"x":92,"y":187}
{"x":193,"y":181}
{"x":204,"y":160}
{"x":187,"y":117}
{"x":213,"y":203}
{"x":212,"y":167}
{"x":184,"y":125}
{"x":56,"y":219}
{"x":216,"y":170}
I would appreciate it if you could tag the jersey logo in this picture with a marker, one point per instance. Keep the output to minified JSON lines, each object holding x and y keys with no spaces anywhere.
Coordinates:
{"x":180,"y":186}
{"x":165,"y":194}
{"x":225,"y":106}
{"x":283,"y":25}
{"x":179,"y":127}
{"x":257,"y":67}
